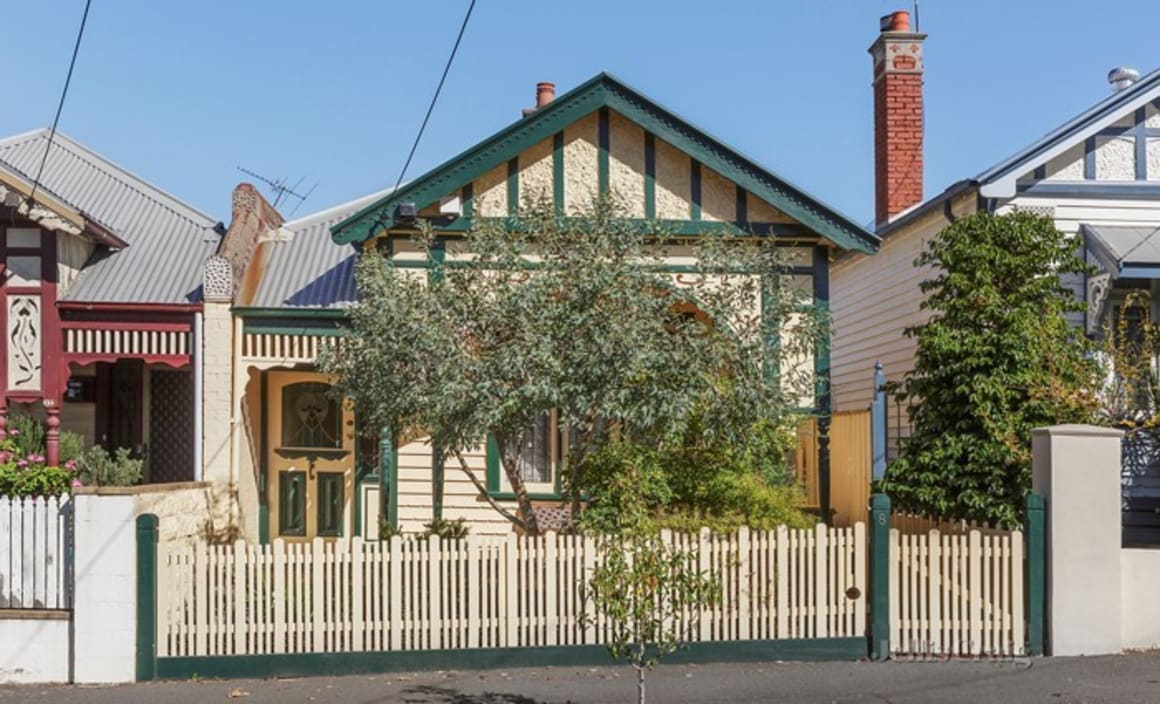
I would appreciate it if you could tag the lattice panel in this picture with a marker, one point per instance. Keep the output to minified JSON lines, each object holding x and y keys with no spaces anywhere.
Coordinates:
{"x":170,"y":426}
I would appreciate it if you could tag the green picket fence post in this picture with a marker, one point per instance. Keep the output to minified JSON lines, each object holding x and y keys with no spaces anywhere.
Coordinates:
{"x":146,"y":597}
{"x":1035,"y":571}
{"x":879,"y":577}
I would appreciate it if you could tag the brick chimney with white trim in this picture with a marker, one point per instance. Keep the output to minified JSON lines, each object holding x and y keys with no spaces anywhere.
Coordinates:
{"x":897,"y":55}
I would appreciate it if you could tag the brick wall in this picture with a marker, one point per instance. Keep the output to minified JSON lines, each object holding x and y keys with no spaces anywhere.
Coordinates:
{"x":898,"y":165}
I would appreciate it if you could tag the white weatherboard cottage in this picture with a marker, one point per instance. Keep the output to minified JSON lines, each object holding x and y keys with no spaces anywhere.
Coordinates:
{"x":1097,"y":176}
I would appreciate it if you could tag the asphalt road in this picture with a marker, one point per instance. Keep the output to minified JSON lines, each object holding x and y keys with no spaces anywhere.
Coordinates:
{"x":1119,"y":679}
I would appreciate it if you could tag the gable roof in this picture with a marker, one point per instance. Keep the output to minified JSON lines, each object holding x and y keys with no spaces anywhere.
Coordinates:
{"x":168,"y":239}
{"x":999,"y":180}
{"x":605,"y":91}
{"x":310,"y":270}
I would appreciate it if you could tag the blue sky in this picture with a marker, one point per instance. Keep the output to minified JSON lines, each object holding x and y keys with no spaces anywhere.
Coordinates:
{"x":183,"y":92}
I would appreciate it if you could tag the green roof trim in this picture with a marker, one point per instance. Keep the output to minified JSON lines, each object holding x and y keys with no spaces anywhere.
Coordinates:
{"x":605,"y":91}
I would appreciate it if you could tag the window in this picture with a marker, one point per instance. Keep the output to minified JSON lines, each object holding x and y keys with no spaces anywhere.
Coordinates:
{"x":331,"y":500}
{"x":292,"y":503}
{"x":311,"y":417}
{"x":541,"y":456}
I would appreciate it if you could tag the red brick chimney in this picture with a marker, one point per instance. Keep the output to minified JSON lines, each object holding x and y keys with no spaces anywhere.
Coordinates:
{"x":545,"y":93}
{"x":897,"y":55}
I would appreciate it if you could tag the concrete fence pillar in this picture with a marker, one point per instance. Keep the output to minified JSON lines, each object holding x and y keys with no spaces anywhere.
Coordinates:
{"x":105,"y":589}
{"x":1076,"y":468}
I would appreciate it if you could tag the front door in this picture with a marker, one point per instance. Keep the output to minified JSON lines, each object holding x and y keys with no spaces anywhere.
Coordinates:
{"x":310,"y":458}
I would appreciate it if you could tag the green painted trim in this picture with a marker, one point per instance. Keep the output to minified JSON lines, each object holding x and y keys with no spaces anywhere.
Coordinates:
{"x":558,"y":173}
{"x":740,"y":204}
{"x":771,"y":330}
{"x":389,"y":471}
{"x":694,"y":189}
{"x":605,"y":91}
{"x":513,"y":186}
{"x":146,"y":597}
{"x":1035,"y":575}
{"x":534,"y":266}
{"x":650,"y":176}
{"x":436,"y":264}
{"x":288,"y":480}
{"x":321,"y":480}
{"x":467,"y":200}
{"x":359,"y":475}
{"x":289,"y":313}
{"x":263,"y":459}
{"x":492,"y":465}
{"x":879,"y":577}
{"x":249,"y":328}
{"x":822,"y":399}
{"x":796,"y":234}
{"x":306,"y":664}
{"x":604,"y":138}
{"x":437,"y":483}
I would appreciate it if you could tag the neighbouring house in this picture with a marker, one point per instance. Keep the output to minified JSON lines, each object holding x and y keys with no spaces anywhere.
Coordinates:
{"x":101,"y":303}
{"x":277,"y":290}
{"x":1097,"y":176}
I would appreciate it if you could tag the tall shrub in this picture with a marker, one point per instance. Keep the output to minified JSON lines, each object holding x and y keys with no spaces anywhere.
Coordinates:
{"x":997,"y":358}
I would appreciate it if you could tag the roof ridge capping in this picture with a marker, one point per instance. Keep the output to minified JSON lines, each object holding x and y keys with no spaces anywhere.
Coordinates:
{"x":605,"y":90}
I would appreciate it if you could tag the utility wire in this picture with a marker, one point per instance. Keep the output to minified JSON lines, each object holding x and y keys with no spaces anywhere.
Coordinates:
{"x":60,"y":106}
{"x":434,"y":98}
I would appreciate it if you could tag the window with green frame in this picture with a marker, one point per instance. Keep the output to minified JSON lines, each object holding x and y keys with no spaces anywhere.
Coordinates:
{"x":541,"y":457}
{"x":331,"y":500}
{"x":292,"y":503}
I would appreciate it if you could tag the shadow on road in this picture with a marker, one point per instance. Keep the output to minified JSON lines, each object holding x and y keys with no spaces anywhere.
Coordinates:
{"x":428,"y":694}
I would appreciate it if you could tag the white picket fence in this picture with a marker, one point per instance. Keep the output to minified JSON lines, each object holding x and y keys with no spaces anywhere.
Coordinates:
{"x":482,"y":591}
{"x":34,"y":553}
{"x":957,"y":594}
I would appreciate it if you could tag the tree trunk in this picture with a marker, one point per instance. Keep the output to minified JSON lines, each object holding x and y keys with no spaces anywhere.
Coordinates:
{"x":509,"y":460}
{"x":640,"y":685}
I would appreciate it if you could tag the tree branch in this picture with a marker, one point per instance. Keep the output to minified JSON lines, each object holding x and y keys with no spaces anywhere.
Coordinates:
{"x":487,"y":496}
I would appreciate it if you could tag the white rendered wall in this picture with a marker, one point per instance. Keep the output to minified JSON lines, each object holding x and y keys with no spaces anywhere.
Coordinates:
{"x":1140,"y":575}
{"x":105,"y":594}
{"x":34,"y":650}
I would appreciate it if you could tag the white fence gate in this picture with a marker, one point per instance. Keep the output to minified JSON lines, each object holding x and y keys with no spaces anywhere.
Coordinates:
{"x":957,"y":593}
{"x":421,"y":594}
{"x":35,"y":536}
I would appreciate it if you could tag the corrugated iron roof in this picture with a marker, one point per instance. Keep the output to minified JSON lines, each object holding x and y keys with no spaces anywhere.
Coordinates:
{"x":310,"y":270}
{"x":1119,"y":246}
{"x":168,"y":239}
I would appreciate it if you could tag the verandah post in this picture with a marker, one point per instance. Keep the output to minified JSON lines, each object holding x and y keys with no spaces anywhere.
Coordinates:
{"x":146,"y":597}
{"x":879,"y":577}
{"x":1035,"y":572}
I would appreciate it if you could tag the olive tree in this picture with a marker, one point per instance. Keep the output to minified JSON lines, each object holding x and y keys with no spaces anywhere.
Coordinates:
{"x":580,"y":316}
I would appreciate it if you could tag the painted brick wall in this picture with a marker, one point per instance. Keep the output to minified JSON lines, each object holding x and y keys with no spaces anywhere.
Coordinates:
{"x":105,"y":601}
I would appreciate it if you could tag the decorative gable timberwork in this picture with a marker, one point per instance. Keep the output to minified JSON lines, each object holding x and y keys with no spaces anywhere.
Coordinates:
{"x":605,"y":136}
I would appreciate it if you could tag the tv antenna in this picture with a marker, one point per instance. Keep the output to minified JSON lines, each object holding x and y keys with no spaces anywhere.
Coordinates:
{"x":281,"y":190}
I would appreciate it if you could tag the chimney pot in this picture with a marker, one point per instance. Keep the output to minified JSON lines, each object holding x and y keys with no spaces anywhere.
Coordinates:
{"x":545,"y":93}
{"x":897,"y":21}
{"x":1121,"y":77}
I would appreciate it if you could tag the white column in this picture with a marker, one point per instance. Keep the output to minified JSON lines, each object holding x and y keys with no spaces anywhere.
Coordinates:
{"x":105,"y":589}
{"x":1077,"y":470}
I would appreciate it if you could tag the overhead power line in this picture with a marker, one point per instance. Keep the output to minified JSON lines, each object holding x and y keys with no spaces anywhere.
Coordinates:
{"x":434,"y":98}
{"x":60,"y":106}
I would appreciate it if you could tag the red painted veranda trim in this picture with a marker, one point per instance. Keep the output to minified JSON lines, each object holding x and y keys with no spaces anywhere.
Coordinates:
{"x":176,"y":361}
{"x":122,"y":325}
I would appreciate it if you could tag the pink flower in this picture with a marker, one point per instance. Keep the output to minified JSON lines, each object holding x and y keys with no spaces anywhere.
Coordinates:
{"x":76,"y":483}
{"x":14,"y":433}
{"x":36,"y":458}
{"x":21,"y":463}
{"x":71,"y":465}
{"x":5,"y":457}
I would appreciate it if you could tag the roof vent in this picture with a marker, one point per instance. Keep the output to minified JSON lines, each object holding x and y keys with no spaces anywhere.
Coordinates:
{"x":1121,"y":77}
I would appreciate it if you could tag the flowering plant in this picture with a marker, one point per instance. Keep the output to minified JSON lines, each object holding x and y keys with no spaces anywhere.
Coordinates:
{"x":27,"y":474}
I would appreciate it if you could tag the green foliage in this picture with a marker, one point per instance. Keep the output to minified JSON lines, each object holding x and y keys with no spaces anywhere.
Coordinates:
{"x":27,"y":475}
{"x":27,"y":433}
{"x":386,"y":529}
{"x":1130,"y":343}
{"x":997,"y":358}
{"x":72,"y":446}
{"x":593,"y":329}
{"x":686,"y":488}
{"x":454,"y":529}
{"x":97,"y":467}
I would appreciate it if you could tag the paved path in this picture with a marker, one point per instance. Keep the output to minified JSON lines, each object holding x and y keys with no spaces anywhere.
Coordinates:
{"x":1122,"y":679}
